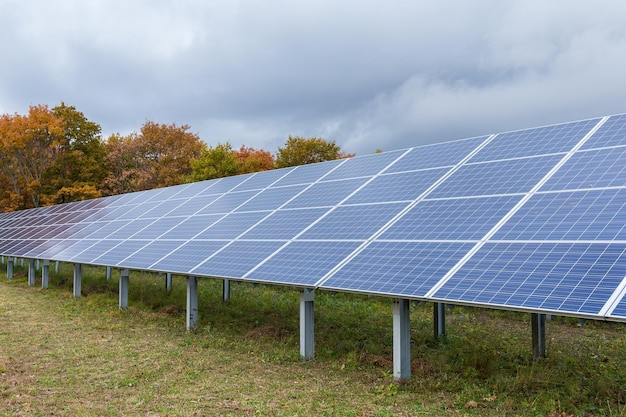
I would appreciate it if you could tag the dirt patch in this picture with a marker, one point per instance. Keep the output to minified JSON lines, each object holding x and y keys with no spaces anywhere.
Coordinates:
{"x":267,"y":332}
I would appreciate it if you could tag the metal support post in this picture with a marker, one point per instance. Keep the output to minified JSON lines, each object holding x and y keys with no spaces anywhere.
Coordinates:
{"x":56,"y":267}
{"x":226,"y":290}
{"x":168,"y":281}
{"x":37,"y":264}
{"x":439,"y":314}
{"x":31,"y":272}
{"x":22,"y":262}
{"x":108,"y":273}
{"x":401,"y":340}
{"x":124,"y":279}
{"x":539,"y":335}
{"x":192,"y":302}
{"x":307,"y":323}
{"x":10,"y":268}
{"x":45,"y":273}
{"x":78,"y":277}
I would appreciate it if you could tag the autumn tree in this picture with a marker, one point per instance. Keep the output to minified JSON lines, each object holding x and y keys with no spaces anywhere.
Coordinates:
{"x":79,"y":168}
{"x":253,"y":160}
{"x":159,"y":156}
{"x":301,"y":151}
{"x":30,"y":145}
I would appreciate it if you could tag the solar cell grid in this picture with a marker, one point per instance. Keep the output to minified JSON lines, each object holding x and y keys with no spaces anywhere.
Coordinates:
{"x":192,"y":206}
{"x":232,"y":225}
{"x":224,"y":185}
{"x":582,"y":215}
{"x":354,"y":222}
{"x":237,"y":258}
{"x":454,"y":219}
{"x":187,"y":256}
{"x":228,"y":202}
{"x":398,"y":268}
{"x":363,"y":166}
{"x":150,"y":254}
{"x":405,"y":186}
{"x":565,"y":277}
{"x":285,"y":224}
{"x":119,"y":252}
{"x":500,"y":177}
{"x":539,"y":141}
{"x":437,"y":155}
{"x":303,"y":262}
{"x":261,"y":180}
{"x":271,"y":198}
{"x":611,"y":133}
{"x":191,"y":226}
{"x":307,"y":174}
{"x":326,"y":194}
{"x":591,"y":169}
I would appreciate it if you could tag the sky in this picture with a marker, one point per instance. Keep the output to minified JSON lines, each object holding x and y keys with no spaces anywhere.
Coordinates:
{"x":366,"y":74}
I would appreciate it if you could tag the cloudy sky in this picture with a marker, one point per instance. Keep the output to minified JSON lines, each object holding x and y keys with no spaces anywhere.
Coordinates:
{"x":366,"y":74}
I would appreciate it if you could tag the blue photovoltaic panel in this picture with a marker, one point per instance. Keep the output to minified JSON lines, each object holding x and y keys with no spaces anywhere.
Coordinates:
{"x":620,"y":309}
{"x":150,"y":254}
{"x":354,"y":222}
{"x":228,"y":202}
{"x":285,"y":224}
{"x":307,"y":174}
{"x":188,"y":256}
{"x":108,"y":228}
{"x":261,"y":180}
{"x":161,"y":209}
{"x":438,"y":155}
{"x":591,"y":169}
{"x":224,"y":185}
{"x":398,"y":268}
{"x":565,"y":277}
{"x":192,"y":206}
{"x":611,"y":133}
{"x":24,"y":246}
{"x":35,"y":253}
{"x":580,"y":215}
{"x":303,"y":263}
{"x":119,"y":252}
{"x":325,"y":194}
{"x":539,"y":141}
{"x":502,"y":177}
{"x":405,"y":186}
{"x":157,"y":228}
{"x":126,"y":231}
{"x":271,"y":198}
{"x":454,"y":219}
{"x":232,"y":225}
{"x":191,"y":227}
{"x":237,"y":258}
{"x":97,"y":248}
{"x":363,"y":166}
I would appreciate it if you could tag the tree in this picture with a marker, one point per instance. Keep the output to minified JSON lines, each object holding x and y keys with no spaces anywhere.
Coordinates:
{"x":79,"y":168}
{"x":166,"y":152}
{"x":214,"y":162}
{"x":301,"y":151}
{"x":253,"y":160}
{"x":30,"y":145}
{"x":159,"y":156}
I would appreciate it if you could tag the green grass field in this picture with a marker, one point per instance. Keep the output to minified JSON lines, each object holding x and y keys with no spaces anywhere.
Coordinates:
{"x":61,"y":356}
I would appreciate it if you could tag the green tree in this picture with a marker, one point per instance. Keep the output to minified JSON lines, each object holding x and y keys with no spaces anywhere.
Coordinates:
{"x":301,"y":151}
{"x":214,"y":162}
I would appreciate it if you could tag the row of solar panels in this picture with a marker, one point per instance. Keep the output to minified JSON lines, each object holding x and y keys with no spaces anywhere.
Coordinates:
{"x":531,"y":220}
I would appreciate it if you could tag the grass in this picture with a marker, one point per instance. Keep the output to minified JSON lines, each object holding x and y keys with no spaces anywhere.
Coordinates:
{"x":85,"y":357}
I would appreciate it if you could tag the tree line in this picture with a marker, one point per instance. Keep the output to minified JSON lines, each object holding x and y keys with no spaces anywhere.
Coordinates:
{"x":56,"y":155}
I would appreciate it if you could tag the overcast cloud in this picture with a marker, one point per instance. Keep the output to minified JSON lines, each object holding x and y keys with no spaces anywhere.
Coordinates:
{"x":366,"y":74}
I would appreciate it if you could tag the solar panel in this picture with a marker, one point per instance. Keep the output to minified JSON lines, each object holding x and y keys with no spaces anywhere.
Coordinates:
{"x":532,"y":220}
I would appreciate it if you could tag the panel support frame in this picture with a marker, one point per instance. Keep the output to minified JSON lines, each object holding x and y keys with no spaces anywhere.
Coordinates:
{"x":168,"y":281}
{"x":123,"y":291}
{"x":538,"y":323}
{"x":10,"y":268}
{"x":307,"y":324}
{"x":401,"y":339}
{"x":78,"y":278}
{"x":45,"y":273}
{"x":226,"y":290}
{"x":31,"y":272}
{"x":439,"y":320}
{"x":192,"y":302}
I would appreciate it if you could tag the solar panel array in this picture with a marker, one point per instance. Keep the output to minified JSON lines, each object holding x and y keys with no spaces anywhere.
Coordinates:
{"x":531,"y":220}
